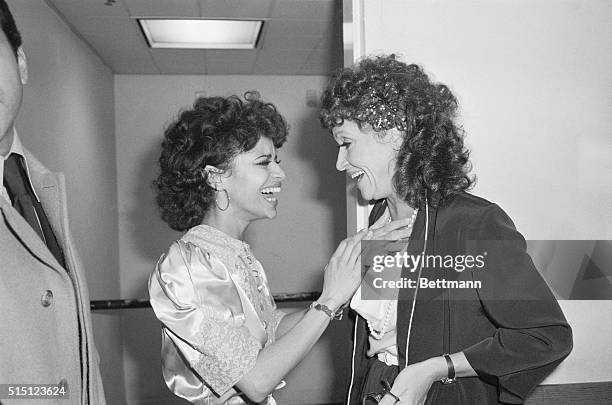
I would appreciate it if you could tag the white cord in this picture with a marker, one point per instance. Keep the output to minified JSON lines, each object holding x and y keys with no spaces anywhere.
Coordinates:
{"x":353,"y":360}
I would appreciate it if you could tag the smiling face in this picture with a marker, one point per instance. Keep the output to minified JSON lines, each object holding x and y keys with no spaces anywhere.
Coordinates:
{"x":254,"y":182}
{"x":13,"y":74}
{"x":368,"y":157}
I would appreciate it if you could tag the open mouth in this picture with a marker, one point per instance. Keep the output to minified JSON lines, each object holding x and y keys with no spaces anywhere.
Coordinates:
{"x":357,"y":175}
{"x":269,"y":192}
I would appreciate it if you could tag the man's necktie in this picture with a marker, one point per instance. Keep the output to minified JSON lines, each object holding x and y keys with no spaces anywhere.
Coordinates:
{"x":25,"y":203}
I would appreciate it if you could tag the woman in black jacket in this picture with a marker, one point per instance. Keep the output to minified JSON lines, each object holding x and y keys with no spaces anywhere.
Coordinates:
{"x":476,"y":324}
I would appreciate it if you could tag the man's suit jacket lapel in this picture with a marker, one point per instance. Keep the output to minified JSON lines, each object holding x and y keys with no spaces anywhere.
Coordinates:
{"x":27,"y":235}
{"x":47,"y":186}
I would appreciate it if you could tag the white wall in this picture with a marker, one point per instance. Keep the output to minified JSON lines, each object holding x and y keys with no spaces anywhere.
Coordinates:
{"x":293,"y":248}
{"x":533,"y":80}
{"x":67,"y":121}
{"x":534,"y":85}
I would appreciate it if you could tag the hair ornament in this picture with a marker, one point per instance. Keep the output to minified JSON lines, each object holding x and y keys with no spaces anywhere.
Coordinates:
{"x":382,"y":111}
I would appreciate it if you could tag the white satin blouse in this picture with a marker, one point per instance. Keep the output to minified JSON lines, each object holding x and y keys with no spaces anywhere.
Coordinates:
{"x":212,"y":297}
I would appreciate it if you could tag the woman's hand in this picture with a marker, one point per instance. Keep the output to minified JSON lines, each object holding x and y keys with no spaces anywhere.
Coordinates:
{"x":343,"y":272}
{"x":413,"y":383}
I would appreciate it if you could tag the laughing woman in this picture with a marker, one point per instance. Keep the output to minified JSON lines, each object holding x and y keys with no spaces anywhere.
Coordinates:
{"x":224,"y":340}
{"x":398,"y":139}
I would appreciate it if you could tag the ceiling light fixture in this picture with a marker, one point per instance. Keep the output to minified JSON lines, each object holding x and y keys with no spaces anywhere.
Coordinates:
{"x":200,"y":33}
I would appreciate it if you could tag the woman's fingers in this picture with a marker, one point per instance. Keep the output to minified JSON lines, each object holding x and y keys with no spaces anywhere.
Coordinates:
{"x":340,"y":250}
{"x":344,"y":254}
{"x":356,"y":239}
{"x":398,"y":223}
{"x":402,"y":233}
{"x":353,"y":259}
{"x":398,"y":229}
{"x":354,"y":244}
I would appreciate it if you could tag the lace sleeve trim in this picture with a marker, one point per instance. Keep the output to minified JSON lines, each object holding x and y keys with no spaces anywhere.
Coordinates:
{"x":227,"y":353}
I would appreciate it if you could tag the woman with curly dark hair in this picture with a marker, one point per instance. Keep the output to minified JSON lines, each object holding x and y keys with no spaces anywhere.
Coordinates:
{"x":437,"y":336}
{"x":224,"y":340}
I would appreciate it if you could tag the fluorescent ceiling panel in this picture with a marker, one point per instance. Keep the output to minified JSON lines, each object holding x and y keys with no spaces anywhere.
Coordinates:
{"x":201,"y":34}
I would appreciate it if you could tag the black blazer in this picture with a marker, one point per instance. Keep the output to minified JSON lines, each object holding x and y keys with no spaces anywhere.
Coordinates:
{"x":511,"y":330}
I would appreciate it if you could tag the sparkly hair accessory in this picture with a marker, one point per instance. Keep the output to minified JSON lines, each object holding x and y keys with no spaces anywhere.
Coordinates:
{"x":383,"y":111}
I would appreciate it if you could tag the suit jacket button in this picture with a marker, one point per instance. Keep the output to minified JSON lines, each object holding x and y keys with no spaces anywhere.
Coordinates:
{"x":47,"y":298}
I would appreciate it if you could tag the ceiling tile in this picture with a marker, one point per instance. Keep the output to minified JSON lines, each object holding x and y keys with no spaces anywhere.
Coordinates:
{"x":118,"y":42}
{"x":86,"y":8}
{"x":250,"y":9}
{"x":281,"y":57}
{"x":306,"y":9}
{"x":163,"y":8}
{"x":223,"y":62}
{"x":180,"y":61}
{"x":298,"y":43}
{"x":286,"y":62}
{"x":298,"y":36}
{"x":330,"y":42}
{"x":298,"y":27}
{"x":318,"y":69}
{"x":319,"y":66}
{"x":128,"y":63}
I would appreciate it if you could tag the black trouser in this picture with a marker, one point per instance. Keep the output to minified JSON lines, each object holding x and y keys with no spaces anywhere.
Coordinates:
{"x":372,"y":383}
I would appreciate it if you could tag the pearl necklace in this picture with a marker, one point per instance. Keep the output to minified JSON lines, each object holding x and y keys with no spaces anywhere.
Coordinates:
{"x":388,"y":309}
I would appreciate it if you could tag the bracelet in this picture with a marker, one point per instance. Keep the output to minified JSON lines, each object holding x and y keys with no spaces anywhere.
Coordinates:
{"x":334,"y":316}
{"x":451,"y":377}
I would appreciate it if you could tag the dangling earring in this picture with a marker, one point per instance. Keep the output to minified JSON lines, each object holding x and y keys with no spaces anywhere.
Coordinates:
{"x":228,"y":200}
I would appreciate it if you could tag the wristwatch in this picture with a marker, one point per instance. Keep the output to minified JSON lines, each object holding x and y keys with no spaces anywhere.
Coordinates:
{"x":334,"y":316}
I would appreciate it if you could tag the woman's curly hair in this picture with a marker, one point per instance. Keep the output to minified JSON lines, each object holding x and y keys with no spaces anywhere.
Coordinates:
{"x":386,"y":93}
{"x":213,"y":132}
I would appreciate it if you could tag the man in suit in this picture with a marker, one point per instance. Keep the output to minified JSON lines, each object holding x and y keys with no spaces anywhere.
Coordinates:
{"x":45,"y":321}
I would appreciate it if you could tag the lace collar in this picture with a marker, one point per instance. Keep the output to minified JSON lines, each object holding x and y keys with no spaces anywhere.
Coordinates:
{"x":217,"y":242}
{"x":216,"y":236}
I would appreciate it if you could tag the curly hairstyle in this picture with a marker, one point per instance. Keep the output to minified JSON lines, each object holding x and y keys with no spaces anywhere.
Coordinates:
{"x":213,"y":132}
{"x":381,"y":93}
{"x":9,"y":27}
